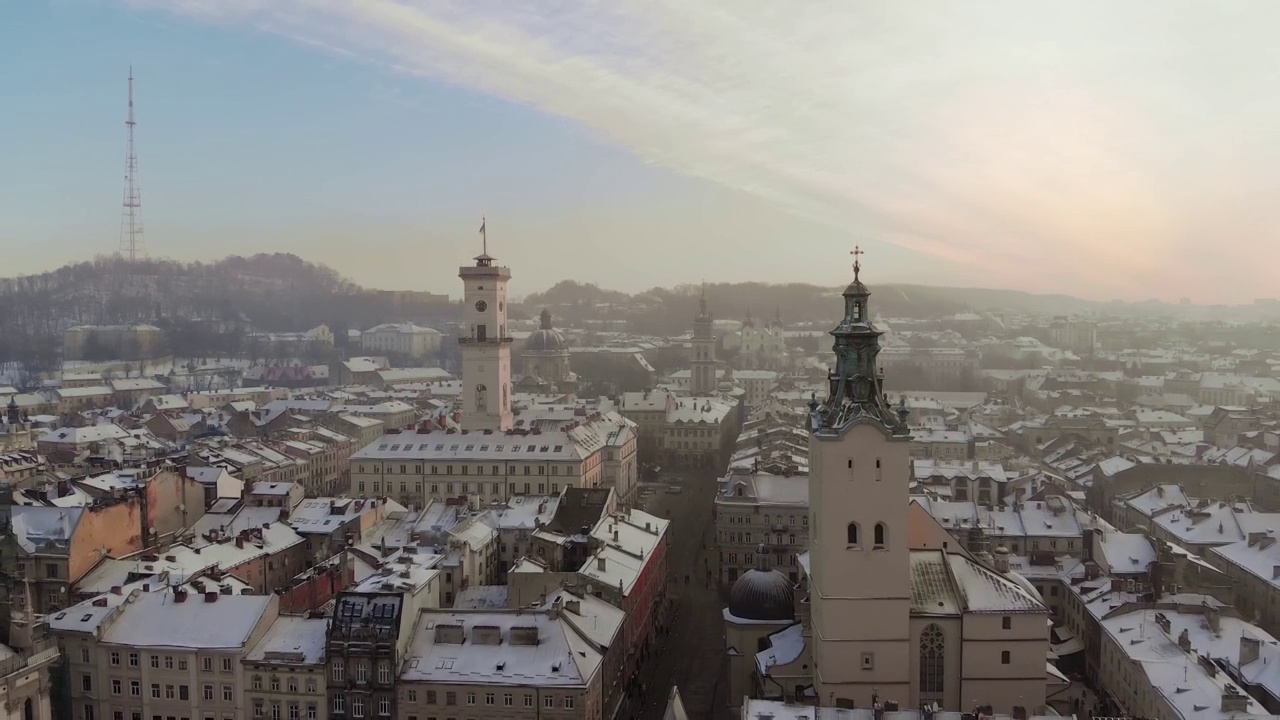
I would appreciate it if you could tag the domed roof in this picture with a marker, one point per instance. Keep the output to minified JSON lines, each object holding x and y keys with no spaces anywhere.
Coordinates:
{"x":856,"y":288}
{"x":546,"y":339}
{"x":762,"y":595}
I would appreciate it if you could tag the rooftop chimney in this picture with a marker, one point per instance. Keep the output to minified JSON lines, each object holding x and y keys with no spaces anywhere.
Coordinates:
{"x":521,"y":635}
{"x":1250,"y":649}
{"x":211,"y":597}
{"x":1234,"y":701}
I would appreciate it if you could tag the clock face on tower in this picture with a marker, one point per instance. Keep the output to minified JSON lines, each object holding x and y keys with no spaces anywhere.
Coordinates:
{"x":481,"y":305}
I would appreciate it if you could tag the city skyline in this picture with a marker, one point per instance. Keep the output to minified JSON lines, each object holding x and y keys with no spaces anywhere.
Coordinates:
{"x":1025,"y":148}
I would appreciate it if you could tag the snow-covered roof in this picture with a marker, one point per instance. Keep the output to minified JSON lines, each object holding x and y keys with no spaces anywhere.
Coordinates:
{"x":785,"y":647}
{"x":498,"y":648}
{"x":292,"y":640}
{"x":157,"y":620}
{"x":949,"y":584}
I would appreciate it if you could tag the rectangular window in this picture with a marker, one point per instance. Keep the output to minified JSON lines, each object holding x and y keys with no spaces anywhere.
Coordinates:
{"x":135,"y":688}
{"x":228,"y":693}
{"x":568,"y":702}
{"x":133,"y":659}
{"x":117,"y":687}
{"x":208,"y":692}
{"x":1006,"y":623}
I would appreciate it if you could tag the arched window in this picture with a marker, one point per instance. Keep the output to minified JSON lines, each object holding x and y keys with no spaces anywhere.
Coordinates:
{"x":880,"y":537}
{"x":853,"y":533}
{"x":932,"y":665}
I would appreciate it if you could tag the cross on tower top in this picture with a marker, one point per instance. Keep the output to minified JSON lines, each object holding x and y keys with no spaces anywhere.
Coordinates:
{"x":857,"y":260}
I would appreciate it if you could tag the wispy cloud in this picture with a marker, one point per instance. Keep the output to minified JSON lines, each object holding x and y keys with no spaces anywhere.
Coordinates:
{"x":1083,"y":146}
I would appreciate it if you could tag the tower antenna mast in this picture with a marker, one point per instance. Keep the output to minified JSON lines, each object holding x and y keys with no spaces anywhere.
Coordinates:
{"x":132,"y":246}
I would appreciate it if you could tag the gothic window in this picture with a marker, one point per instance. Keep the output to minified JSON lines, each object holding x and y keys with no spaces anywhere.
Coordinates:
{"x":853,"y":533}
{"x":932,"y":666}
{"x":480,"y":397}
{"x":880,"y":537}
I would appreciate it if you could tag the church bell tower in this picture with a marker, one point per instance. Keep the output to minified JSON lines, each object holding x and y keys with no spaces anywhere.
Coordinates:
{"x":860,"y":586}
{"x":485,"y":345}
{"x":702,"y":380}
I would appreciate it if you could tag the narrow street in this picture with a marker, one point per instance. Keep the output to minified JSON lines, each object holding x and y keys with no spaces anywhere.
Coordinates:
{"x":692,"y":654}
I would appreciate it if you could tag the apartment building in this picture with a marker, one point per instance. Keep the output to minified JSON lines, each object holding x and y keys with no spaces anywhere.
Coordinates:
{"x":755,"y":509}
{"x":501,"y":665}
{"x":1253,"y":566}
{"x":160,"y":654}
{"x":417,"y":467}
{"x":284,"y":672}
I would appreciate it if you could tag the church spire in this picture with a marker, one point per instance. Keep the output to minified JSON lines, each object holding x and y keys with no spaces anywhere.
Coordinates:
{"x":856,"y":384}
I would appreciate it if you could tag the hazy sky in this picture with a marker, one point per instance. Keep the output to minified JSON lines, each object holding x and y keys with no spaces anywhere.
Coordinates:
{"x":1109,"y":150}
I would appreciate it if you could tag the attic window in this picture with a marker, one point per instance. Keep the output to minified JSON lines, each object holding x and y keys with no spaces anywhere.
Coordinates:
{"x":86,"y":617}
{"x":531,"y":448}
{"x":469,"y":448}
{"x":439,"y":447}
{"x":484,"y":448}
{"x":559,"y":448}
{"x":395,"y":447}
{"x":498,"y":448}
{"x":453,"y":448}
{"x":383,"y":446}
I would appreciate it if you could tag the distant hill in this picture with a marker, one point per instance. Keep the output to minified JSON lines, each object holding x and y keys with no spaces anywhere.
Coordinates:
{"x":282,"y":292}
{"x":235,"y":295}
{"x":668,"y":311}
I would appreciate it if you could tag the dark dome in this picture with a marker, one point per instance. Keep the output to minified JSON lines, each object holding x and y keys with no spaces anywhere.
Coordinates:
{"x":546,"y":340}
{"x":762,"y":595}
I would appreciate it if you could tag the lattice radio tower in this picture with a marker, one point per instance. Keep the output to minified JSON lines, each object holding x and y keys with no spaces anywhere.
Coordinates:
{"x":132,"y":246}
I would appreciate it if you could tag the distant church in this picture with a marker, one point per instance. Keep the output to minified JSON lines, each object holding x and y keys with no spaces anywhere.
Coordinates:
{"x":889,"y":612}
{"x":546,"y":361}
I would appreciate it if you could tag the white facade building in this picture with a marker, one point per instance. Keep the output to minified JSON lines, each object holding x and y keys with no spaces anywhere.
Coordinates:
{"x":401,"y":338}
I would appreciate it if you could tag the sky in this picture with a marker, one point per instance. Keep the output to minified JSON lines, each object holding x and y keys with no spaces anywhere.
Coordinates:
{"x":1104,"y":150}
